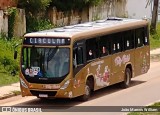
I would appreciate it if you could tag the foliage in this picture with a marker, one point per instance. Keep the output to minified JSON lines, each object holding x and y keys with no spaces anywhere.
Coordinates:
{"x":7,"y":63}
{"x":33,"y":7}
{"x":73,"y":4}
{"x":6,"y":78}
{"x":155,"y":38}
{"x":35,"y":14}
{"x":11,"y":21}
{"x":34,"y":24}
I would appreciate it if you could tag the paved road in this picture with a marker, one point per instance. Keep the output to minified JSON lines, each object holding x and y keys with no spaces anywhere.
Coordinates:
{"x":144,"y":90}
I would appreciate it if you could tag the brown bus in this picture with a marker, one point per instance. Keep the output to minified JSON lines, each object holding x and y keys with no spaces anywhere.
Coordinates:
{"x":72,"y":61}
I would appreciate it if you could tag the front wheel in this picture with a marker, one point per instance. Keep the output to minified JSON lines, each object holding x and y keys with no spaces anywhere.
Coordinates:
{"x":87,"y":93}
{"x":127,"y":78}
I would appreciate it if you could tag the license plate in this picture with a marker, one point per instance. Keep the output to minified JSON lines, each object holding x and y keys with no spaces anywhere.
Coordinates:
{"x":43,"y":95}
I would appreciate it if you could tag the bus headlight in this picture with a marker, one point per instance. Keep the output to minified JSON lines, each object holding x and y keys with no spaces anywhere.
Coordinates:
{"x":65,"y":84}
{"x":23,"y":83}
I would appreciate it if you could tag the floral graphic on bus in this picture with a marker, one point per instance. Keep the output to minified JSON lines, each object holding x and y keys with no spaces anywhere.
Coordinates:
{"x":102,"y":74}
{"x":119,"y":61}
{"x":106,"y":74}
{"x":102,"y":78}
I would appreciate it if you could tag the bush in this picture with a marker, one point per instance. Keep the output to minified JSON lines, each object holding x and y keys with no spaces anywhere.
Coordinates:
{"x":34,"y":24}
{"x":7,"y":61}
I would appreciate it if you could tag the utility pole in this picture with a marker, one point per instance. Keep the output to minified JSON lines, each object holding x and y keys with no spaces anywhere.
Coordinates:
{"x":154,"y":16}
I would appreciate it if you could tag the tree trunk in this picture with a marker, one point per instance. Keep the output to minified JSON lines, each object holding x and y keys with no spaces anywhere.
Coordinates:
{"x":154,"y":16}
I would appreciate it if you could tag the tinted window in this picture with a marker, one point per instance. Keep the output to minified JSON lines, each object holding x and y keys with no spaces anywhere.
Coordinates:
{"x":104,"y":46}
{"x":78,"y":53}
{"x":92,"y":48}
{"x":128,"y":39}
{"x":117,"y":45}
{"x":146,"y":34}
{"x":139,"y":37}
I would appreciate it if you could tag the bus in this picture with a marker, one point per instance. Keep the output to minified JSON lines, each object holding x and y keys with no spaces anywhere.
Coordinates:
{"x":73,"y":61}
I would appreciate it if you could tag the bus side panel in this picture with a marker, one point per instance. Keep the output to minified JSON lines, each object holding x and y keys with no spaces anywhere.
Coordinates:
{"x":142,"y":60}
{"x":99,"y":70}
{"x":119,"y":62}
{"x":79,"y":83}
{"x":117,"y":68}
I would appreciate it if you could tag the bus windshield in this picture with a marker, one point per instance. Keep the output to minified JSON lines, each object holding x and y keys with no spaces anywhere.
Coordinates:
{"x":45,"y":62}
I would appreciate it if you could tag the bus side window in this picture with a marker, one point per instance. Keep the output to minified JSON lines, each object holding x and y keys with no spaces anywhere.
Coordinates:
{"x":146,"y":36}
{"x":117,"y":45}
{"x":77,"y":56}
{"x":128,"y":40}
{"x":139,"y":37}
{"x":91,"y":48}
{"x":104,"y":45}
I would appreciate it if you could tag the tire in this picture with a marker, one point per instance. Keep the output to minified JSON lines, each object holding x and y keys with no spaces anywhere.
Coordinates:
{"x":87,"y":93}
{"x":127,"y":78}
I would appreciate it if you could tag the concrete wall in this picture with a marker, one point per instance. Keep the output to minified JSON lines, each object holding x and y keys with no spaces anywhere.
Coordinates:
{"x":101,"y":11}
{"x":138,"y":9}
{"x":20,"y":23}
{"x":19,"y":26}
{"x":3,"y":23}
{"x":67,"y":18}
{"x":108,"y":9}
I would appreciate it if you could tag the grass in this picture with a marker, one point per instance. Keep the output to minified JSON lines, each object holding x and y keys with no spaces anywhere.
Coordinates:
{"x":157,"y":105}
{"x":7,"y":63}
{"x":16,"y":92}
{"x":155,"y":39}
{"x":155,"y":43}
{"x":6,"y":79}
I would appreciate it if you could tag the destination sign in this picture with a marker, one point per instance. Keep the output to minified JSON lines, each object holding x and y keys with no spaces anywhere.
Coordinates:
{"x":46,"y":41}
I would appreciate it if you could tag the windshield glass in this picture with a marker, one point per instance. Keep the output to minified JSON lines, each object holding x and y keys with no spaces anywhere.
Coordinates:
{"x":45,"y":62}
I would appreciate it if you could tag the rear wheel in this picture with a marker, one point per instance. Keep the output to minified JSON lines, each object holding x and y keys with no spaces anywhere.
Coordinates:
{"x":127,"y":78}
{"x":87,"y":93}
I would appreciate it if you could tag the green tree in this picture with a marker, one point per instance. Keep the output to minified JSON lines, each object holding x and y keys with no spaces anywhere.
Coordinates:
{"x":35,"y":14}
{"x":33,"y":7}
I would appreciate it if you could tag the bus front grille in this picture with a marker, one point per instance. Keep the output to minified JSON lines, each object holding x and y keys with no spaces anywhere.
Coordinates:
{"x":49,"y":93}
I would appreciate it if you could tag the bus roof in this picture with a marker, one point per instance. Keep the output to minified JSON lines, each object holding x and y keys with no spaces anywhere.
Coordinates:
{"x":100,"y":27}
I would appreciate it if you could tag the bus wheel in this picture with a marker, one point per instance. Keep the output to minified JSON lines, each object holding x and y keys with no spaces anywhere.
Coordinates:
{"x":127,"y":78}
{"x":87,"y":92}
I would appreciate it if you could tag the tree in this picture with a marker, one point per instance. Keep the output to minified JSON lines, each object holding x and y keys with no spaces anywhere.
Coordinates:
{"x":33,"y":7}
{"x":154,"y":16}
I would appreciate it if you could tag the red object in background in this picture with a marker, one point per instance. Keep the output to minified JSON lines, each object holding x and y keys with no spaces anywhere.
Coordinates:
{"x":4,"y":4}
